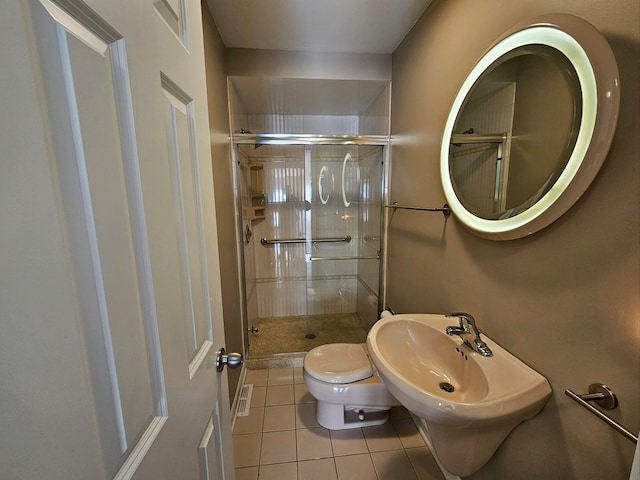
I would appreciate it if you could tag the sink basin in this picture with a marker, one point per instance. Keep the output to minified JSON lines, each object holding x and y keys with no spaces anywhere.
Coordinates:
{"x":469,"y":403}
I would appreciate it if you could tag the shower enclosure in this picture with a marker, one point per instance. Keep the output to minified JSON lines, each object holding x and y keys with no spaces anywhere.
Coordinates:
{"x":309,"y":188}
{"x":310,"y":216}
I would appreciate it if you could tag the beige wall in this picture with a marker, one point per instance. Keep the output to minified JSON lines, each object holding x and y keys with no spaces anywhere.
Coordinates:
{"x":224,"y":194}
{"x":564,"y":300}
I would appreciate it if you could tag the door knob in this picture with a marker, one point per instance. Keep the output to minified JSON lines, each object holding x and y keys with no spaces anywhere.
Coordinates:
{"x":234,"y":360}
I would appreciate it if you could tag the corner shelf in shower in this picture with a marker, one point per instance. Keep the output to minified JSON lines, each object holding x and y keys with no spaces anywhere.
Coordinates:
{"x":255,"y":211}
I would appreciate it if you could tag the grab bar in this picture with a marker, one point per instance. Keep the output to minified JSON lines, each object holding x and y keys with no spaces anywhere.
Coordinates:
{"x":273,"y":241}
{"x":371,"y":257}
{"x":604,"y":397}
{"x":460,"y":138}
{"x":446,"y":211}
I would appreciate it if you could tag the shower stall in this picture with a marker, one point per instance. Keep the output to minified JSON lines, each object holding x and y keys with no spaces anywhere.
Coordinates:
{"x":309,"y":213}
{"x":311,"y":229}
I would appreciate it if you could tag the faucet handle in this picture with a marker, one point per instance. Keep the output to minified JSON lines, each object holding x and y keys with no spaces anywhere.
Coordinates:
{"x":462,"y":316}
{"x":457,"y":330}
{"x":467,"y":330}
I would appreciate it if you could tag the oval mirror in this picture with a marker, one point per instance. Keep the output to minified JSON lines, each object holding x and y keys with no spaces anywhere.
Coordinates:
{"x":530,"y":127}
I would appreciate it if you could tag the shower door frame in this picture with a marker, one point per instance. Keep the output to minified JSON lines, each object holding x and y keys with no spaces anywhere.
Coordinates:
{"x":307,"y":140}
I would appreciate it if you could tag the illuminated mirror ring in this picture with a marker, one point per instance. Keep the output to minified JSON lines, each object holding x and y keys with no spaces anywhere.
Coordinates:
{"x":594,"y":64}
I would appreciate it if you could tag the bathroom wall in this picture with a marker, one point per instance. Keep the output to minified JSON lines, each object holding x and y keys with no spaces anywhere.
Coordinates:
{"x":566,"y":299}
{"x":224,"y":192}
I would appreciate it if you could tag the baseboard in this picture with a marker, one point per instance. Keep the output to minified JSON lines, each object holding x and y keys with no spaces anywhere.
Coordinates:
{"x":236,"y":398}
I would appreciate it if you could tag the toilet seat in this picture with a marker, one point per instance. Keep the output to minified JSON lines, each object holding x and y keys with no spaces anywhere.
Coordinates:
{"x":338,"y":363}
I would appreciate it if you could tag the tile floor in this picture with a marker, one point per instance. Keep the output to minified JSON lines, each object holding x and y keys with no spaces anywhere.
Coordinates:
{"x":280,"y":439}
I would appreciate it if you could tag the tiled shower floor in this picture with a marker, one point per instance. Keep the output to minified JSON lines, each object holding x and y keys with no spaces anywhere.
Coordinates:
{"x":280,"y":439}
{"x":289,"y":334}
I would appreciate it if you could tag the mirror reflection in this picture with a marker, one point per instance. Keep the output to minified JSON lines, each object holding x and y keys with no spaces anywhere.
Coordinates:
{"x":515,"y":132}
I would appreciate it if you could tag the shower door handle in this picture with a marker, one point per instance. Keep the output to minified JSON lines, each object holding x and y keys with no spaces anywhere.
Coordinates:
{"x":234,"y":360}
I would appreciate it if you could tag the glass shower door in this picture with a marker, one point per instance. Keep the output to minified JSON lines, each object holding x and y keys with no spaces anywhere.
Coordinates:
{"x":310,"y":217}
{"x":344,"y":184}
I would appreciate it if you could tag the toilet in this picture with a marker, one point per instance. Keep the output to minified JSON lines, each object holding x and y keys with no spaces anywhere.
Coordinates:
{"x":350,"y":394}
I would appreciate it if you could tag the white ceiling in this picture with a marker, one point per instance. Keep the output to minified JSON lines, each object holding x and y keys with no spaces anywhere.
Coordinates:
{"x":341,"y":26}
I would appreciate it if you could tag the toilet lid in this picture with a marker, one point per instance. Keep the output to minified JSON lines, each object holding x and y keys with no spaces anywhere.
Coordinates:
{"x":338,"y":363}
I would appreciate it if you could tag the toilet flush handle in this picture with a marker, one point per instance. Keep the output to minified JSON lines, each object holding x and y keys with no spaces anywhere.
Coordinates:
{"x":234,"y":360}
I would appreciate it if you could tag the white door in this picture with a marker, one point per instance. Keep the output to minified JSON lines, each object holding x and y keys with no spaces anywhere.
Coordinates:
{"x":110,"y":303}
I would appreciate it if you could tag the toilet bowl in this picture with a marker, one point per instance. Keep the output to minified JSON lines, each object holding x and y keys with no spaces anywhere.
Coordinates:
{"x":350,"y":394}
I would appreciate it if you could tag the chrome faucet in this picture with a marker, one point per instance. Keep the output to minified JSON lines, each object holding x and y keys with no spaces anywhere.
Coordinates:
{"x":469,"y":333}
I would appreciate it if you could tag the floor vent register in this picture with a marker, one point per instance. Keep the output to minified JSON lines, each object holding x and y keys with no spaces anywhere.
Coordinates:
{"x":244,"y":403}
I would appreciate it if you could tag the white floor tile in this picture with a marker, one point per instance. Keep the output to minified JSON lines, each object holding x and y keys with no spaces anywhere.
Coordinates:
{"x":250,"y":424}
{"x":280,"y":376}
{"x":279,"y":395}
{"x":354,"y":467}
{"x":279,"y":471}
{"x":313,"y":443}
{"x":348,"y":442}
{"x":381,"y":438}
{"x":280,"y":417}
{"x":247,"y":473}
{"x":393,"y":465}
{"x":302,"y":394}
{"x":278,"y":447}
{"x":246,"y":449}
{"x":424,"y":464}
{"x":306,"y":415}
{"x":324,"y":469}
{"x":257,"y":377}
{"x":258,"y":396}
{"x":408,"y":433}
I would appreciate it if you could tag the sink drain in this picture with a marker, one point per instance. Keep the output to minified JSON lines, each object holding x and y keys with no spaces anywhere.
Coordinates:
{"x":310,"y":336}
{"x":447,"y":387}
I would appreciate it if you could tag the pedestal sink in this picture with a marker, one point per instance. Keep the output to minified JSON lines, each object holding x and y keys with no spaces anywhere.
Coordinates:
{"x":469,"y":403}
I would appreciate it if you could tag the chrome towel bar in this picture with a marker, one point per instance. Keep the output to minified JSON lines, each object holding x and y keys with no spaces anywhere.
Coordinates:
{"x":446,"y":211}
{"x":367,"y":257}
{"x":273,"y":241}
{"x":603,"y":396}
